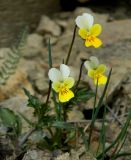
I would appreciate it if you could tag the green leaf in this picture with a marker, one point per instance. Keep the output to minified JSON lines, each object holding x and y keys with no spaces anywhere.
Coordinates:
{"x":7,"y":116}
{"x":10,"y":119}
{"x":70,"y":136}
{"x":19,"y":125}
{"x":82,"y":95}
{"x":26,"y":119}
{"x":63,"y":125}
{"x":32,"y":100}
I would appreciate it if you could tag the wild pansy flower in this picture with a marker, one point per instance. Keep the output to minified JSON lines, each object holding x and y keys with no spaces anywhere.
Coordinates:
{"x":96,"y":71}
{"x":89,"y":31}
{"x":61,"y":82}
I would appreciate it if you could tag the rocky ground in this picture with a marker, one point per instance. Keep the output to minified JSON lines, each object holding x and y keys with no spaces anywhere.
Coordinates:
{"x":33,"y":67}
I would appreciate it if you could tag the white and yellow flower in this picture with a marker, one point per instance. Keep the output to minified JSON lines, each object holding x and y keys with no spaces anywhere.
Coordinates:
{"x":89,"y":31}
{"x":61,"y":82}
{"x":96,"y":71}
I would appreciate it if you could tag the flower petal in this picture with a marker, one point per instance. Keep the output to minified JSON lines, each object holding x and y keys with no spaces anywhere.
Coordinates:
{"x":65,"y":97}
{"x":101,"y":68}
{"x":54,"y":75}
{"x":94,"y":60}
{"x":69,"y":82}
{"x":101,"y":81}
{"x":56,"y":86}
{"x":91,"y":73}
{"x":96,"y":29}
{"x":88,"y":43}
{"x":97,"y":42}
{"x":88,"y":65}
{"x":65,"y":71}
{"x":92,"y":63}
{"x":89,"y":19}
{"x":85,"y":21}
{"x":83,"y":33}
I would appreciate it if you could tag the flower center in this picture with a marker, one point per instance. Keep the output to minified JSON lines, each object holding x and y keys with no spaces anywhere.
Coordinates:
{"x":91,"y":38}
{"x":63,"y":90}
{"x":97,"y":75}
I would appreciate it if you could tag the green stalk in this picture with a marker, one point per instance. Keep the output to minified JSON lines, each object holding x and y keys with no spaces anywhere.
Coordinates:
{"x":84,"y":138}
{"x":121,"y":145}
{"x":123,"y":155}
{"x":49,"y":91}
{"x":70,"y":49}
{"x":102,"y":135}
{"x":98,"y":106}
{"x":92,"y":124}
{"x":80,"y":73}
{"x":119,"y":137}
{"x":56,"y":105}
{"x":50,"y":66}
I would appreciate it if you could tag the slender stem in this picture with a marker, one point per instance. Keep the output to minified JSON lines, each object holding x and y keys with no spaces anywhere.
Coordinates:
{"x":70,"y":49}
{"x":119,"y":137}
{"x":49,"y":91}
{"x":60,"y":111}
{"x":123,"y":155}
{"x":50,"y":66}
{"x":102,"y":136}
{"x":92,"y":122}
{"x":51,"y":133}
{"x":80,"y":73}
{"x":25,"y":138}
{"x":64,"y":113}
{"x":95,"y":99}
{"x":56,"y":105}
{"x":119,"y":149}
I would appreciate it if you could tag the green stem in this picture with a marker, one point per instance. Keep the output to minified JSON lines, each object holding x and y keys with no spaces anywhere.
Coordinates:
{"x":118,"y":147}
{"x":119,"y":137}
{"x":64,"y":114}
{"x":102,"y":135}
{"x":92,"y":123}
{"x":25,"y":138}
{"x":123,"y":155}
{"x":80,"y":73}
{"x":50,"y":66}
{"x":56,"y":105}
{"x":70,"y":49}
{"x":49,"y":91}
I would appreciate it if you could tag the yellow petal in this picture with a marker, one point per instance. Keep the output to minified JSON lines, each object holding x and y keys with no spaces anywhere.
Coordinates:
{"x":91,"y":73}
{"x":65,"y":96}
{"x":96,"y":29}
{"x":56,"y":86}
{"x":83,"y":33}
{"x":101,"y":69}
{"x":96,"y":42}
{"x":88,"y":43}
{"x":69,"y":82}
{"x":101,"y":80}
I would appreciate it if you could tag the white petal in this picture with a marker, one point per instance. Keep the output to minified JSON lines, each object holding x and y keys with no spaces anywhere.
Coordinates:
{"x":89,"y":20}
{"x":54,"y":75}
{"x":88,"y":65}
{"x":94,"y":60}
{"x":78,"y":21}
{"x":92,"y":63}
{"x":65,"y":71}
{"x":85,"y":21}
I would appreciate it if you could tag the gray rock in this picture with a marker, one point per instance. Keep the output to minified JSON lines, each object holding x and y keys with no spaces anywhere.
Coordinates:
{"x":47,"y":25}
{"x":41,"y":84}
{"x":33,"y":46}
